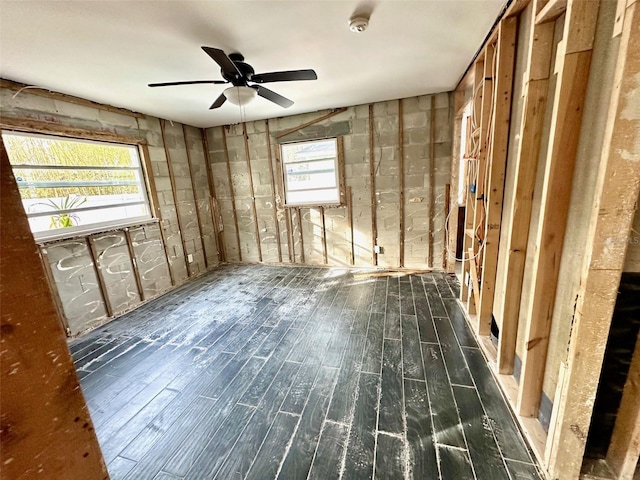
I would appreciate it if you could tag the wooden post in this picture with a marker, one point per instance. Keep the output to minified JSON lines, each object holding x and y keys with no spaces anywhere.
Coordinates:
{"x":535,"y":101}
{"x":175,"y":197}
{"x":350,"y":221}
{"x":302,"y":260}
{"x":218,"y":234}
{"x":503,"y":82}
{"x":372,"y":185}
{"x":273,"y":191}
{"x":573,"y":75}
{"x":401,"y":180}
{"x":614,"y":207}
{"x":447,"y":212}
{"x":96,"y":267}
{"x":231,"y":193}
{"x":432,"y":179}
{"x":251,"y":190}
{"x":134,"y":263}
{"x":287,"y":211}
{"x":195,"y":197}
{"x":324,"y":237}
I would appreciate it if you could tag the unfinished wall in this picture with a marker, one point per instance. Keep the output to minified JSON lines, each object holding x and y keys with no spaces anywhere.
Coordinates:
{"x":99,"y":276}
{"x":248,"y":187}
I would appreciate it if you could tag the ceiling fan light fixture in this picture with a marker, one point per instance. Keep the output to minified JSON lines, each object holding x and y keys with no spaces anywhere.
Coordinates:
{"x":241,"y":95}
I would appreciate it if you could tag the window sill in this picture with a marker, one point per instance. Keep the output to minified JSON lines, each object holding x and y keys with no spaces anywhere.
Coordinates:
{"x":64,"y":236}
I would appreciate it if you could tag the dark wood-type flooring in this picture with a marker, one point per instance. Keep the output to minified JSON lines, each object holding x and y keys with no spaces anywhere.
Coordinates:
{"x":265,"y":372}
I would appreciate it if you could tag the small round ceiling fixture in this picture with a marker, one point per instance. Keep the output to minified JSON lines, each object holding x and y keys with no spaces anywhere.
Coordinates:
{"x":358,"y":24}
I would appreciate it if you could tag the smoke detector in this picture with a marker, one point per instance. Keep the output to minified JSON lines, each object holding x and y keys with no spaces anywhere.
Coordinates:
{"x":358,"y":24}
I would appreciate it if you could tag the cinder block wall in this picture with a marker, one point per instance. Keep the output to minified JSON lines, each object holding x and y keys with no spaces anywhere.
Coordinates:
{"x":271,"y":233}
{"x":180,"y":199}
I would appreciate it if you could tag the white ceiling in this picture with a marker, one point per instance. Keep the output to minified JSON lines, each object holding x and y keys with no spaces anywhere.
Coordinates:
{"x":108,"y":51}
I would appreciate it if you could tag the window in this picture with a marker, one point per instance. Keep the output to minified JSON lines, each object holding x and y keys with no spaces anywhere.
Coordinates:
{"x":311,"y":173}
{"x":70,"y":186}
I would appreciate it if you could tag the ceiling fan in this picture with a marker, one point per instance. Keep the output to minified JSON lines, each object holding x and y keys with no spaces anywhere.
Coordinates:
{"x":235,"y":71}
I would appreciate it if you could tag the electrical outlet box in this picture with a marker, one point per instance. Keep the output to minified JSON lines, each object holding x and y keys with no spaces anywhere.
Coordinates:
{"x":190,"y":258}
{"x":378,"y":249}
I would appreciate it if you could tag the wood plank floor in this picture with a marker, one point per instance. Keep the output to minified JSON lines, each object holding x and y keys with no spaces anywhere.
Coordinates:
{"x":263,"y":372}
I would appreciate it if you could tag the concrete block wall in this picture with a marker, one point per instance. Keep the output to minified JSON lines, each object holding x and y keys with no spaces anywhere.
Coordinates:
{"x":82,"y":302}
{"x":353,"y":127}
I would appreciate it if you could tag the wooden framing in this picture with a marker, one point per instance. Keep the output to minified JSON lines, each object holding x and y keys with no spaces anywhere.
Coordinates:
{"x":614,"y":206}
{"x":324,"y":237}
{"x":273,"y":190}
{"x":573,"y":75}
{"x":535,"y":100}
{"x":251,"y":190}
{"x":287,"y":211}
{"x":401,"y":183}
{"x":432,"y":180}
{"x":195,"y":197}
{"x":301,"y":234}
{"x":231,"y":192}
{"x":497,"y":162}
{"x":350,"y":222}
{"x":372,"y":186}
{"x":447,"y":212}
{"x":57,"y":301}
{"x":134,"y":263}
{"x":213,"y":202}
{"x":175,"y":198}
{"x":96,"y":267}
{"x":311,"y":122}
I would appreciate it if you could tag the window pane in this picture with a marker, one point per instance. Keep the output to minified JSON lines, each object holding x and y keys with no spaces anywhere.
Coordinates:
{"x":67,"y":184}
{"x":311,"y":172}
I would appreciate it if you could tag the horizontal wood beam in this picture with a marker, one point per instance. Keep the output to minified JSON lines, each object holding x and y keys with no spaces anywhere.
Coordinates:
{"x":552,"y":10}
{"x":311,"y":122}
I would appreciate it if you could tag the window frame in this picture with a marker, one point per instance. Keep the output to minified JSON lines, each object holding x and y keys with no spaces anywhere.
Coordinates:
{"x":339,"y":173}
{"x":86,"y":230}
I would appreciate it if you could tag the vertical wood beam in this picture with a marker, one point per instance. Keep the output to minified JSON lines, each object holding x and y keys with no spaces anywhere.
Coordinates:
{"x":273,"y":190}
{"x":535,"y":100}
{"x":195,"y":197}
{"x":287,"y":211}
{"x":247,"y":155}
{"x":401,"y":180}
{"x":97,"y":268}
{"x":614,"y":207}
{"x":213,"y":202}
{"x":350,"y":221}
{"x":372,"y":185}
{"x":624,"y":449}
{"x":324,"y":237}
{"x":505,"y":53}
{"x":44,"y":255}
{"x":231,"y":192}
{"x":174,"y":193}
{"x":573,"y":75}
{"x":302,"y":260}
{"x":432,"y":180}
{"x":134,"y":263}
{"x":447,"y":213}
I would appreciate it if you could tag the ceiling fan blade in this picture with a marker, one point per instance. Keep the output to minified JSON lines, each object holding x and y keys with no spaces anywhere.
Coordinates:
{"x":192,"y":82}
{"x":221,"y":58}
{"x":288,"y":76}
{"x":219,"y":101}
{"x":272,"y":96}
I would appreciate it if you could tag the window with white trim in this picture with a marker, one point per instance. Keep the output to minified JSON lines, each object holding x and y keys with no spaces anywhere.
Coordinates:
{"x":311,"y":174}
{"x":70,"y":187}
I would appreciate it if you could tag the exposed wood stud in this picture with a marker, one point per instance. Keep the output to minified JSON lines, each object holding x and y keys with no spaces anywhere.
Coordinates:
{"x":95,"y":257}
{"x":175,"y":197}
{"x":231,"y":192}
{"x":301,"y":234}
{"x":432,"y":180}
{"x":324,"y":236}
{"x":534,"y":105}
{"x":251,"y":190}
{"x":445,"y":239}
{"x":614,"y":207}
{"x":552,"y":10}
{"x":134,"y":263}
{"x":292,"y":250}
{"x":287,"y":212}
{"x":556,"y":194}
{"x":213,"y":202}
{"x":505,"y":54}
{"x":341,"y":169}
{"x":350,"y":222}
{"x":401,"y":181}
{"x":372,"y":186}
{"x":195,"y":197}
{"x":54,"y":288}
{"x":273,"y":190}
{"x":311,"y":122}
